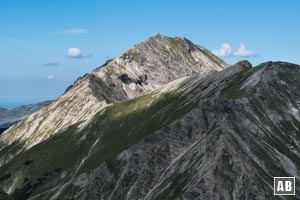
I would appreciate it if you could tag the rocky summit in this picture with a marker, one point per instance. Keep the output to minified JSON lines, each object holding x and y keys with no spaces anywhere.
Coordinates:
{"x":165,"y":120}
{"x":140,"y":70}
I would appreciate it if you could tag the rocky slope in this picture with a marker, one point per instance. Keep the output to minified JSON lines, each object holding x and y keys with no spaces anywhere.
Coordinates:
{"x":4,"y":196}
{"x":212,"y":134}
{"x":142,"y":69}
{"x":10,"y":117}
{"x":3,"y":109}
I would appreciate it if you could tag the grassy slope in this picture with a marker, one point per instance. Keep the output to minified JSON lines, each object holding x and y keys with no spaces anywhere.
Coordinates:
{"x":4,"y":196}
{"x":116,"y":129}
{"x":120,"y":126}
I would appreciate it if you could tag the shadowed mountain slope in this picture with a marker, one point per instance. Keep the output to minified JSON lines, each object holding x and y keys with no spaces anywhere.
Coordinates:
{"x":165,"y":120}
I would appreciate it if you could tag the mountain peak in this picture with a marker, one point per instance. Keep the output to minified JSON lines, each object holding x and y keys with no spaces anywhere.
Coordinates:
{"x":154,"y":38}
{"x":245,"y":63}
{"x":145,"y":67}
{"x":161,"y":121}
{"x":160,"y":39}
{"x":155,"y":62}
{"x":158,"y":35}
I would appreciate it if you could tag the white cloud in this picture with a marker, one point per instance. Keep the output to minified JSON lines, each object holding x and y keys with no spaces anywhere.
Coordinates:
{"x":76,"y":53}
{"x":51,"y":77}
{"x":73,"y":31}
{"x":225,"y":50}
{"x":243,"y":52}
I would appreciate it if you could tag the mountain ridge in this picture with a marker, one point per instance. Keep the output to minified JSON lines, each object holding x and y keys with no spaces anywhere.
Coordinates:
{"x":193,"y":129}
{"x":8,"y":117}
{"x":139,"y":70}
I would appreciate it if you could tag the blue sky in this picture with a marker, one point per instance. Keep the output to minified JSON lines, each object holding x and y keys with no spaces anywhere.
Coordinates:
{"x":35,"y":36}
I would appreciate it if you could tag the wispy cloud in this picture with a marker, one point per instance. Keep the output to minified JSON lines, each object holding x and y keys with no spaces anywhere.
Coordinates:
{"x":52,"y":64}
{"x":243,"y":52}
{"x":73,"y":31}
{"x":77,"y":53}
{"x":51,"y":77}
{"x":226,"y":51}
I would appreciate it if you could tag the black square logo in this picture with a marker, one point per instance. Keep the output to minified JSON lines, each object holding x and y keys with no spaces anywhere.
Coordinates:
{"x":284,"y":185}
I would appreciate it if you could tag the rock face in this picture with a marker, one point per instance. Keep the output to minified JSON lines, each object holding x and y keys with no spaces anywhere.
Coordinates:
{"x":208,"y":134}
{"x":155,"y":62}
{"x":140,"y":70}
{"x":10,"y":117}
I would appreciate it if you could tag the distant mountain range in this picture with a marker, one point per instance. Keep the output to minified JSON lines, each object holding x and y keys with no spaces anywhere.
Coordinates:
{"x":8,"y":117}
{"x":165,"y":120}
